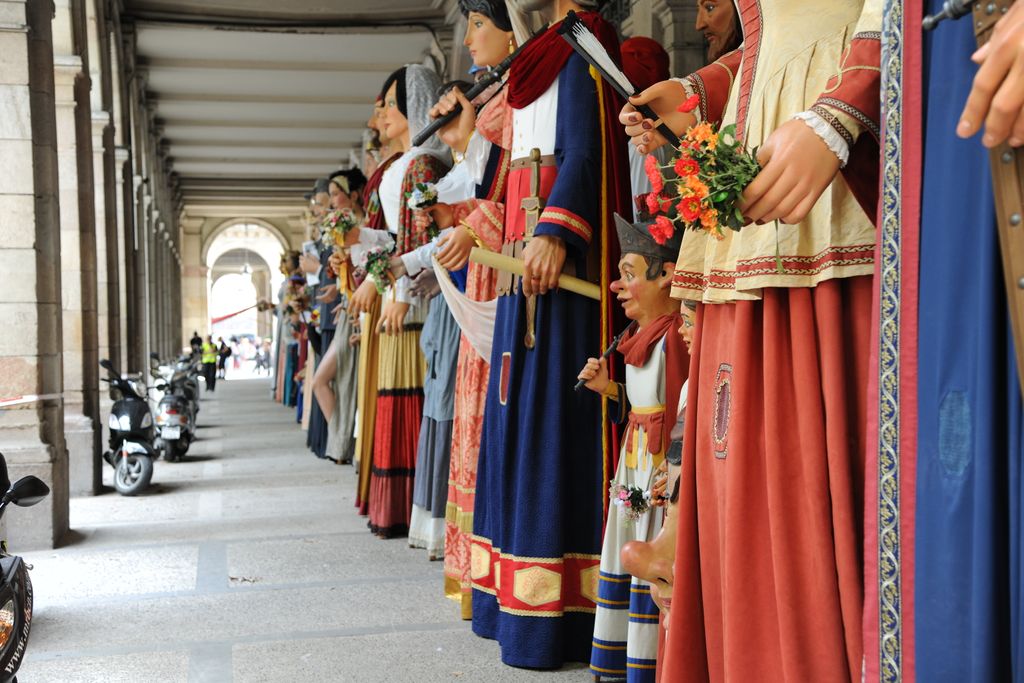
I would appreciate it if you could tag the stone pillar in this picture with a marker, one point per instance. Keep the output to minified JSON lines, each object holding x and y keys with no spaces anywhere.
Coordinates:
{"x":30,"y":251}
{"x":195,"y":314}
{"x":123,"y":242}
{"x":78,"y":256}
{"x":673,"y":24}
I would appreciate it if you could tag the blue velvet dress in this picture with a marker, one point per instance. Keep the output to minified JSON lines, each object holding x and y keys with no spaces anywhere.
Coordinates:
{"x":967,"y":612}
{"x":538,"y":516}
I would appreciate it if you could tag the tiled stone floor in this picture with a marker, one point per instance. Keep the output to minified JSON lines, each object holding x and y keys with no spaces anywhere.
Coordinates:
{"x":247,"y":562}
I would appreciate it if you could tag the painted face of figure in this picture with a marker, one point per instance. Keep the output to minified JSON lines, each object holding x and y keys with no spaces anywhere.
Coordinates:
{"x":641,"y":299}
{"x":318,"y":205}
{"x":487,"y":43}
{"x":653,"y":561}
{"x":716,"y":19}
{"x":686,"y":329}
{"x":395,"y":123}
{"x":339,"y":199}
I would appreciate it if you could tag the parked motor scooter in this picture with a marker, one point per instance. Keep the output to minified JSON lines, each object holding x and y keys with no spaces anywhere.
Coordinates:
{"x":175,"y":414}
{"x":131,"y":451}
{"x":15,"y":583}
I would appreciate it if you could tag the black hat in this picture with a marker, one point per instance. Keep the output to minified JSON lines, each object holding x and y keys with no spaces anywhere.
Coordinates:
{"x":321,"y":186}
{"x":636,"y":238}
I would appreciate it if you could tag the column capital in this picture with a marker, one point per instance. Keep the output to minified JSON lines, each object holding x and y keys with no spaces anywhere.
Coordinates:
{"x":100,"y":120}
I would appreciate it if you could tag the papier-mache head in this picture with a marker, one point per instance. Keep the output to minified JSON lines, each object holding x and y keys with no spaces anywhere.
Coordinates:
{"x":636,"y":238}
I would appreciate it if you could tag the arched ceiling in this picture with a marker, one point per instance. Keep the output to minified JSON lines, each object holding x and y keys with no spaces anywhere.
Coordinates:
{"x":235,"y":259}
{"x":254,"y":99}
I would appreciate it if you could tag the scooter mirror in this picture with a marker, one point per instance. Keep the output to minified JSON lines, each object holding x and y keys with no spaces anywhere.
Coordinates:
{"x":107,"y":364}
{"x":5,"y":479}
{"x":27,"y":491}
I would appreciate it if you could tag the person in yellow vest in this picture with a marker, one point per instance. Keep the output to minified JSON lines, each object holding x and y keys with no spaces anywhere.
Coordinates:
{"x":210,"y":363}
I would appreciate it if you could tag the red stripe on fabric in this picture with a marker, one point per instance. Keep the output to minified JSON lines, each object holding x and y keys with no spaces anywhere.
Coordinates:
{"x":750,"y":11}
{"x":766,"y":265}
{"x":913,"y":153}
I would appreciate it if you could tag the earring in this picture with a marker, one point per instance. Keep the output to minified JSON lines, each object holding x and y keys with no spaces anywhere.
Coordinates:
{"x":511,"y":45}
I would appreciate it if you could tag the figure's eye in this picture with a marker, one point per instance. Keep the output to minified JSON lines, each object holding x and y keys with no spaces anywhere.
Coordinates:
{"x":478,"y":24}
{"x":709,"y":7}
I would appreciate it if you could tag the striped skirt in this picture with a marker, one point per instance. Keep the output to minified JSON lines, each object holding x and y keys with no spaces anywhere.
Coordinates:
{"x":399,"y":413}
{"x":625,"y":642}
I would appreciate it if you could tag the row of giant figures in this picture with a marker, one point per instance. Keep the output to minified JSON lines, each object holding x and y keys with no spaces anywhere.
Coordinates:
{"x":819,"y":414}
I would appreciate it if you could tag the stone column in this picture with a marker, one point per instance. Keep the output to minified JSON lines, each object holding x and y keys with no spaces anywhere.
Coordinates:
{"x":30,"y":251}
{"x":194,"y":312}
{"x":78,"y":254}
{"x":673,"y":24}
{"x":123,"y":242}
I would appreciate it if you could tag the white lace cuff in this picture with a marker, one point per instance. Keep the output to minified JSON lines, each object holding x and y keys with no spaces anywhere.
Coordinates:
{"x":828,"y":134}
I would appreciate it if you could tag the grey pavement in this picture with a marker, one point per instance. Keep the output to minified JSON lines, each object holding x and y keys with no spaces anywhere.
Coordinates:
{"x":246,"y":562}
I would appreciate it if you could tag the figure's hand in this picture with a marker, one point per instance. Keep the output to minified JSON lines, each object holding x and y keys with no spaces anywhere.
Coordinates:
{"x":457,"y":132}
{"x":442,"y":215}
{"x":354,"y":339}
{"x":397,"y":266}
{"x":362,"y":299}
{"x":337,"y":260}
{"x":595,"y":375}
{"x":391,"y":317}
{"x":309,"y":263}
{"x":658,"y":495}
{"x":664,"y":98}
{"x":337,"y":312}
{"x":543,"y":259}
{"x":327,"y":293}
{"x":797,"y":166}
{"x":454,"y":248}
{"x":425,"y":285}
{"x":997,"y":96}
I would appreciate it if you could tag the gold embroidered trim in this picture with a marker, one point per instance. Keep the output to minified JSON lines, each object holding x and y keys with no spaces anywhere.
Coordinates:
{"x":571,"y":222}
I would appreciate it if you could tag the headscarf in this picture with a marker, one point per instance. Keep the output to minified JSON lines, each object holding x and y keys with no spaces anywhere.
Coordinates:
{"x":421,"y":86}
{"x":644,"y":61}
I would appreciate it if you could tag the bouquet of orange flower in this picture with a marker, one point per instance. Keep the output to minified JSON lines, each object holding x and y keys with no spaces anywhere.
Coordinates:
{"x":700,"y":188}
{"x":335,"y":226}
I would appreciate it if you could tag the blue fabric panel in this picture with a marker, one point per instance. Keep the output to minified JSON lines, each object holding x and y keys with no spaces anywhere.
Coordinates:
{"x":969,"y":448}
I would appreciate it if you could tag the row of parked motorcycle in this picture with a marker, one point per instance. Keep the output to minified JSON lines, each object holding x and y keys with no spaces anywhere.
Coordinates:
{"x":150,"y":421}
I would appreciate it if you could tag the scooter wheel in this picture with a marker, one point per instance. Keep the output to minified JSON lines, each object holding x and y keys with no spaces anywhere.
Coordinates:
{"x":133,"y":473}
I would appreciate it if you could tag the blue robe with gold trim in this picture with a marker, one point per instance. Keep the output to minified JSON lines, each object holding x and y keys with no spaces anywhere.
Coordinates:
{"x":538,"y":516}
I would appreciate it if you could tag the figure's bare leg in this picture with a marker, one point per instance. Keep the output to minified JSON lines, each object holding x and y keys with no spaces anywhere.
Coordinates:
{"x":322,"y":380}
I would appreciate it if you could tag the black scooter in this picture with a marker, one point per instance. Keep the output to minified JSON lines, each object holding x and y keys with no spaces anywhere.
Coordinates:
{"x":131,"y":451}
{"x":15,"y":584}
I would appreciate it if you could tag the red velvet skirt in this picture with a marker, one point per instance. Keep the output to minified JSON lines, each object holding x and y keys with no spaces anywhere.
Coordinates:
{"x":397,"y":430}
{"x":769,"y":571}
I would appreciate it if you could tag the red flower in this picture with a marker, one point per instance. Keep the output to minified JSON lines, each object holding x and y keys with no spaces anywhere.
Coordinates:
{"x":662,"y":229}
{"x":653,"y":205}
{"x":689,"y":208}
{"x":685,"y":166}
{"x":654,"y":173}
{"x":689,"y":105}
